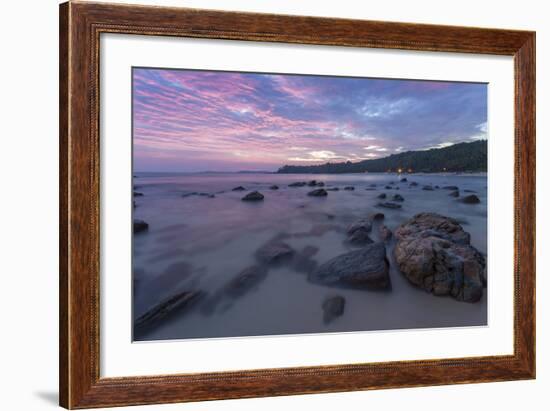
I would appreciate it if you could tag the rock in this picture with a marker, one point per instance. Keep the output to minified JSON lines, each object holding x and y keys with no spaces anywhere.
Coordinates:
{"x":436,"y":187}
{"x":312,"y":183}
{"x":274,"y":252}
{"x":454,"y":194}
{"x":246,"y":280}
{"x":302,"y":262}
{"x":350,"y":188}
{"x":333,"y":307}
{"x":239,"y":188}
{"x":397,"y":197}
{"x":205,"y":195}
{"x":361,"y":224}
{"x":470,"y":191}
{"x":253,"y":196}
{"x":389,"y":204}
{"x":370,"y":189}
{"x":137,"y":194}
{"x":382,"y":196}
{"x":274,"y":187}
{"x":428,"y":188}
{"x":388,"y":187}
{"x":385,"y":233}
{"x":434,"y":253}
{"x":332,"y":189}
{"x":359,"y":237}
{"x":413,"y":184}
{"x":454,"y":188}
{"x":140,"y":225}
{"x":376,"y":216}
{"x":366,"y":268}
{"x":403,"y":180}
{"x":157,"y":313}
{"x":298,"y":184}
{"x":320,"y":192}
{"x":471,"y":199}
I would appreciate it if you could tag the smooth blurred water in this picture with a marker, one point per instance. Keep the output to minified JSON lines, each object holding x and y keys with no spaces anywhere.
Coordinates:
{"x":197,"y":242}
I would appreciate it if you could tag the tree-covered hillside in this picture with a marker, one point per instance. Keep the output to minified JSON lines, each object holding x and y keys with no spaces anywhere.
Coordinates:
{"x":470,"y":157}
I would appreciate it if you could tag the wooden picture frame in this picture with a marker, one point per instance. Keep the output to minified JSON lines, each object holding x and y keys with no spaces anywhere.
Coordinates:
{"x":80,"y":27}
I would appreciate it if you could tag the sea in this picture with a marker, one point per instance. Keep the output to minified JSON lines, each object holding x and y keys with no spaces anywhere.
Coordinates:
{"x":201,"y":235}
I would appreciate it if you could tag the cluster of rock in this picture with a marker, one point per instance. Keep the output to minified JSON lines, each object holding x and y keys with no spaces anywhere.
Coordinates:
{"x":435,"y":254}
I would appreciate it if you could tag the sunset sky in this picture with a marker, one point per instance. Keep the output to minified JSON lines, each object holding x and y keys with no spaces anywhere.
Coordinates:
{"x":190,"y":121}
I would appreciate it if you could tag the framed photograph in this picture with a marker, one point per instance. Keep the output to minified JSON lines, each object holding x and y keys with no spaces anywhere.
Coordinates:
{"x":258,"y":205}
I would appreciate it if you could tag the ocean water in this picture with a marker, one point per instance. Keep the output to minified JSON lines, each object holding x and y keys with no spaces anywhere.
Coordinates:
{"x":201,"y":243}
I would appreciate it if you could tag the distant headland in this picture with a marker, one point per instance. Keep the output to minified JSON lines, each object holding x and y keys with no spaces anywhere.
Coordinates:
{"x":460,"y":157}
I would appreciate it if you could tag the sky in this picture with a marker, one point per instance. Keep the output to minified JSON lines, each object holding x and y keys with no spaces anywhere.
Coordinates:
{"x":194,"y":121}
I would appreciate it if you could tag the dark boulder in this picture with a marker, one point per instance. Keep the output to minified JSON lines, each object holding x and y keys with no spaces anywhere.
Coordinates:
{"x":320,"y":192}
{"x":362,"y":224}
{"x":333,"y":307}
{"x":140,"y":225}
{"x":403,"y":180}
{"x":246,"y":280}
{"x":239,"y":188}
{"x":471,"y":199}
{"x":434,"y":253}
{"x":366,"y":268}
{"x":274,"y":252}
{"x":177,"y":302}
{"x":389,"y":204}
{"x":312,"y":183}
{"x":253,"y":196}
{"x":385,"y":233}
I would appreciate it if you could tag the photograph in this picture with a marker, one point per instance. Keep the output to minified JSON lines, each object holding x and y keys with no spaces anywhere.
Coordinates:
{"x":281,"y":203}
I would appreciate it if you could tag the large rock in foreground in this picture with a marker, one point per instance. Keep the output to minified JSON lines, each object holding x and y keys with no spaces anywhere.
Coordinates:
{"x":364,"y":268}
{"x":435,"y":254}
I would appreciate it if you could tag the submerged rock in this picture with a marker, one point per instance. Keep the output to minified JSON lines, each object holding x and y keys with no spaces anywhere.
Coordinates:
{"x":140,"y":225}
{"x":332,"y":189}
{"x":385,"y":233}
{"x":157,"y":313}
{"x":312,"y":183}
{"x":274,"y":252}
{"x":320,"y":192}
{"x":398,"y":197}
{"x":239,"y":188}
{"x":434,"y":253}
{"x":403,"y":180}
{"x":381,"y":196}
{"x":333,"y":307}
{"x":454,"y":194}
{"x":246,"y":280}
{"x":428,"y":188}
{"x":362,"y":224}
{"x":274,"y":187}
{"x":471,"y":199}
{"x":470,"y":191}
{"x":350,"y":188}
{"x":413,"y":184}
{"x":389,"y":204}
{"x":366,"y":268}
{"x":298,"y":184}
{"x":376,"y":216}
{"x":454,"y":188}
{"x":359,"y":237}
{"x":253,"y":196}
